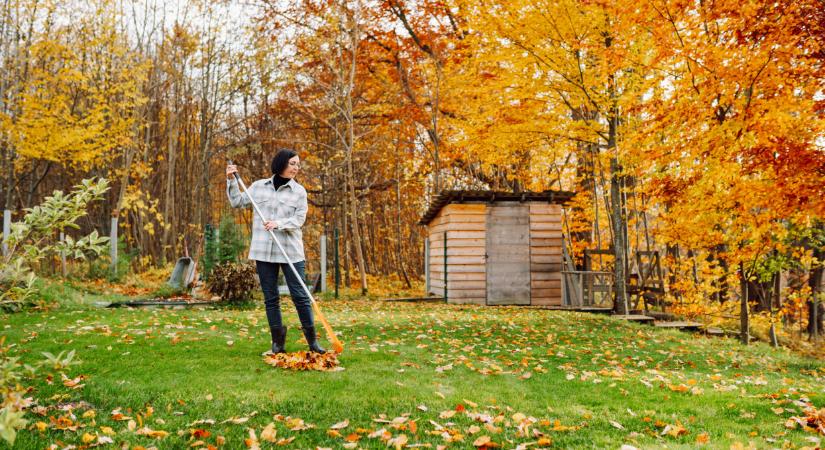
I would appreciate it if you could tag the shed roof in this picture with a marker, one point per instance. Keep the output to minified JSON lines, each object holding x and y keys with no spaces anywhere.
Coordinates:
{"x":446,"y":197}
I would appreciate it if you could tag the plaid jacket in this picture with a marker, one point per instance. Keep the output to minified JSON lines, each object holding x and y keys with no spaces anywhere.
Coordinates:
{"x":287,"y":205}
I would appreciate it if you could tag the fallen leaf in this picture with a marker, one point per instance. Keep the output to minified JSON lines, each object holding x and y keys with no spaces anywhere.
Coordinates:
{"x":398,"y":442}
{"x":252,"y":441}
{"x":352,"y":437}
{"x":236,"y":420}
{"x":447,"y":414}
{"x":617,"y":425}
{"x":157,"y":434}
{"x":269,"y":433}
{"x":674,"y":430}
{"x":200,"y":433}
{"x":340,"y":425}
{"x":73,"y":383}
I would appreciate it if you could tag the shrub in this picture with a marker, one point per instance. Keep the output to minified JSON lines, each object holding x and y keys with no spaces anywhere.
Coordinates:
{"x":233,"y":282}
{"x":34,"y":238}
{"x":101,"y":268}
{"x":226,"y":244}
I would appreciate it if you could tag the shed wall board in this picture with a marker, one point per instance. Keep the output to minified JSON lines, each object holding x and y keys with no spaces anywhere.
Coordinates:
{"x":546,"y":242}
{"x":464,"y":225}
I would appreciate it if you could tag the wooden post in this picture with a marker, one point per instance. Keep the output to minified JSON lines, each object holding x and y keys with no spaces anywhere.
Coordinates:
{"x":113,"y":245}
{"x":62,"y":255}
{"x":427,"y":266}
{"x":323,"y":263}
{"x":445,"y":266}
{"x":6,"y":230}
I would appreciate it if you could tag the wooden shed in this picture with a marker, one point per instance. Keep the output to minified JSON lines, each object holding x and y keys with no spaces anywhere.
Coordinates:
{"x":495,"y":248}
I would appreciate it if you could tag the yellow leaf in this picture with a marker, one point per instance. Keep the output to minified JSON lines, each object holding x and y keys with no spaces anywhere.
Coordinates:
{"x":447,"y":414}
{"x":269,"y":433}
{"x":674,"y":430}
{"x":157,"y":434}
{"x":481,"y":441}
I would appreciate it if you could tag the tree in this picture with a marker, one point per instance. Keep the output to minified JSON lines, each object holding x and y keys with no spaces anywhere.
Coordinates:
{"x":557,"y":78}
{"x":715,"y":137}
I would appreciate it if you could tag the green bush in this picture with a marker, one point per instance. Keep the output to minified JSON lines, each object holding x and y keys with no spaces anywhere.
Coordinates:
{"x":101,"y":268}
{"x":226,"y":244}
{"x":34,"y":238}
{"x":233,"y":282}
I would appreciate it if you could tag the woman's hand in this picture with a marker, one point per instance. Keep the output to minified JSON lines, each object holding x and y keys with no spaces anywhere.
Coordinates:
{"x":271,"y":225}
{"x":231,"y":169}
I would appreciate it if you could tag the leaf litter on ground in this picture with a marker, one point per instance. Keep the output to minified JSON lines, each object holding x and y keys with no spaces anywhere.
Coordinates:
{"x":304,"y":360}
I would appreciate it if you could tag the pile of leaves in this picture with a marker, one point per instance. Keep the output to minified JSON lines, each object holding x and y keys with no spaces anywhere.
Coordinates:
{"x":813,"y":421}
{"x":305,"y":360}
{"x":233,"y":282}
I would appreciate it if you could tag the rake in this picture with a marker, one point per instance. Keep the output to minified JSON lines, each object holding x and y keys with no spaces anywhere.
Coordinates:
{"x":337,"y":346}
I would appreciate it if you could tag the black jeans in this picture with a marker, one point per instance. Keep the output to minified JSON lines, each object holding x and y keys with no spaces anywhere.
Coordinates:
{"x":268,"y":274}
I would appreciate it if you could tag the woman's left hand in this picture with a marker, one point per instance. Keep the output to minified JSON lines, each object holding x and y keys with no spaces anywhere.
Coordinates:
{"x":271,"y":225}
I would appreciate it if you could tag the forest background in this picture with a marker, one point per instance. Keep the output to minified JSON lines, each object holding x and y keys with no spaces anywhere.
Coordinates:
{"x":692,"y":128}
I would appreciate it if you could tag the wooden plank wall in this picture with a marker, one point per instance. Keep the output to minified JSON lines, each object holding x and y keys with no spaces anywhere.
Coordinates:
{"x":465,"y":225}
{"x":545,"y":254}
{"x":436,"y":230}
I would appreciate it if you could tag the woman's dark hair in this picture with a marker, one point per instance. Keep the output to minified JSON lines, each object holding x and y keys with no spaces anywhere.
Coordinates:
{"x":281,"y":160}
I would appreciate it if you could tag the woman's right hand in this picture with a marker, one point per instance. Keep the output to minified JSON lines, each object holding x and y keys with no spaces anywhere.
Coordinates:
{"x":231,"y":169}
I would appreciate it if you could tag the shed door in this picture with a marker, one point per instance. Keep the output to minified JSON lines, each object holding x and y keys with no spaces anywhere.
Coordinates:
{"x":508,"y":254}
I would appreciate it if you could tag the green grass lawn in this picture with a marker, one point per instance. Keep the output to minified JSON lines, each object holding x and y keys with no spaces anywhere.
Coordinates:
{"x":440,"y":375}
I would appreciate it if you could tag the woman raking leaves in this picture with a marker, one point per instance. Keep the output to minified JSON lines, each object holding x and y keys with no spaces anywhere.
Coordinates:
{"x":283,"y":204}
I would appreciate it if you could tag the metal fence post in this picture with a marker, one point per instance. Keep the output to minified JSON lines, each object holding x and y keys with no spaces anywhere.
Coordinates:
{"x":323,"y":263}
{"x":63,"y":255}
{"x":113,"y":245}
{"x":6,"y":230}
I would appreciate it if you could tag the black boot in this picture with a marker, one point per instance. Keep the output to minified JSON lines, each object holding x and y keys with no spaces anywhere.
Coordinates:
{"x":312,"y":340}
{"x":278,"y":340}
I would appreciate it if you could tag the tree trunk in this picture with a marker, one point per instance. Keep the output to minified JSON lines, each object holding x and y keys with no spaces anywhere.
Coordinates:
{"x":349,"y":85}
{"x":354,"y":227}
{"x":774,"y":300}
{"x":399,"y":257}
{"x":620,"y":290}
{"x":616,"y":216}
{"x":345,"y":237}
{"x":169,"y":198}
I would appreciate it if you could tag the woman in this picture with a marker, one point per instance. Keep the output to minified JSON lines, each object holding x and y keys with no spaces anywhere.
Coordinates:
{"x":283,"y":202}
